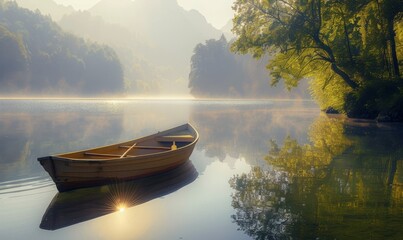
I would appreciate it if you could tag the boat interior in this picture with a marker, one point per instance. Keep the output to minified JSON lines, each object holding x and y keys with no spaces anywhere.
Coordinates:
{"x":143,"y":146}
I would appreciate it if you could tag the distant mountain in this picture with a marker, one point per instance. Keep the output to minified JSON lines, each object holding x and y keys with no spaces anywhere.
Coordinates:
{"x":163,"y":23}
{"x":171,"y":32}
{"x":38,"y":58}
{"x":227,"y":30}
{"x":46,"y":7}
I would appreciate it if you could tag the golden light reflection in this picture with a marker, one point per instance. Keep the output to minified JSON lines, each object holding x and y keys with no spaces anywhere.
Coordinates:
{"x":122,"y":196}
{"x":121,"y":207}
{"x":134,"y":222}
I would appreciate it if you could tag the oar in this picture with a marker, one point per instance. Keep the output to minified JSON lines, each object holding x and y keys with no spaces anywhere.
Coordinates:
{"x":128,"y":150}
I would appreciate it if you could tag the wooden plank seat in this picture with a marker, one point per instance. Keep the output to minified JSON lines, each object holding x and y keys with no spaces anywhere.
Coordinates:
{"x":175,"y":138}
{"x":148,"y":147}
{"x":107,"y":155}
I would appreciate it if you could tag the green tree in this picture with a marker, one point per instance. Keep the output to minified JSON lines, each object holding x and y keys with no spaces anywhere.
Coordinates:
{"x":391,"y":11}
{"x":335,"y":43}
{"x":214,"y":71}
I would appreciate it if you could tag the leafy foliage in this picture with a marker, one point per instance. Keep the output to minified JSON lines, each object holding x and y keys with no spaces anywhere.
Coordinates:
{"x":344,"y":46}
{"x":218,"y":76}
{"x":45,"y":60}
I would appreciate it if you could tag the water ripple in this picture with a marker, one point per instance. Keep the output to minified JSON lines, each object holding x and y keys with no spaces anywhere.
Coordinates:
{"x":26,"y":186}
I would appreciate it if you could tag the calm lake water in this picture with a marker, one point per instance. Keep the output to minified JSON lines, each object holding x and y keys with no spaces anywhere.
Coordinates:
{"x":261,"y":170}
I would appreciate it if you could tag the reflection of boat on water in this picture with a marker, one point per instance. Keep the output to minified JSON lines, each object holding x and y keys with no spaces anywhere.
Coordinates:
{"x":81,"y":205}
{"x":123,"y":161}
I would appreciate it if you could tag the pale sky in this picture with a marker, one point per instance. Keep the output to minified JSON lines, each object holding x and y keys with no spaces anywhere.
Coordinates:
{"x":217,"y":12}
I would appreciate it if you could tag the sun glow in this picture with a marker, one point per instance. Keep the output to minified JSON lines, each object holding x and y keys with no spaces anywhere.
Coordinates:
{"x":121,"y":207}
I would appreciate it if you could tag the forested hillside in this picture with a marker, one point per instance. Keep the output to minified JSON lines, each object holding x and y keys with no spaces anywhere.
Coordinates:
{"x":38,"y":58}
{"x":141,"y":75}
{"x":219,"y":73}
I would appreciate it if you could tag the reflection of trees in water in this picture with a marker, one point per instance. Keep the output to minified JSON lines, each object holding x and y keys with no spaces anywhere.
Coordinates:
{"x":311,"y":160}
{"x":259,"y":199}
{"x":241,"y":131}
{"x":347,"y":183}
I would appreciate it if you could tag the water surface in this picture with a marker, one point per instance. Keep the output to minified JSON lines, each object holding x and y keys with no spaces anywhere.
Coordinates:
{"x":261,"y":170}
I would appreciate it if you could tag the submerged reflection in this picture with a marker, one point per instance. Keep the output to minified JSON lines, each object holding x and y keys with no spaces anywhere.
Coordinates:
{"x":81,"y":205}
{"x":347,"y":183}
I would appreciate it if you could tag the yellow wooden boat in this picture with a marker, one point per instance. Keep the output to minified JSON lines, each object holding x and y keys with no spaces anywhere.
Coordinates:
{"x":123,"y":161}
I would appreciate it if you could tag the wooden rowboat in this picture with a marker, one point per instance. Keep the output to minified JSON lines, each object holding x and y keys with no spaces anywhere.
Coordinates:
{"x":123,"y":161}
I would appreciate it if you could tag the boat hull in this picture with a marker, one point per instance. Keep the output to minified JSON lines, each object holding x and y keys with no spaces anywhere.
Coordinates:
{"x":70,"y":208}
{"x":70,"y":173}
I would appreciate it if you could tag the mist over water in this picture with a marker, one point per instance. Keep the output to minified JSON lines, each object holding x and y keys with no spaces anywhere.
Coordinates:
{"x":30,"y":129}
{"x":235,"y":151}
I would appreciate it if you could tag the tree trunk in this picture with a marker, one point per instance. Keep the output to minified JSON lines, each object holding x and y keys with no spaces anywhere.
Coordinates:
{"x":392,"y":171}
{"x":344,"y":76}
{"x":391,"y":33}
{"x":333,"y":63}
{"x":350,"y":55}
